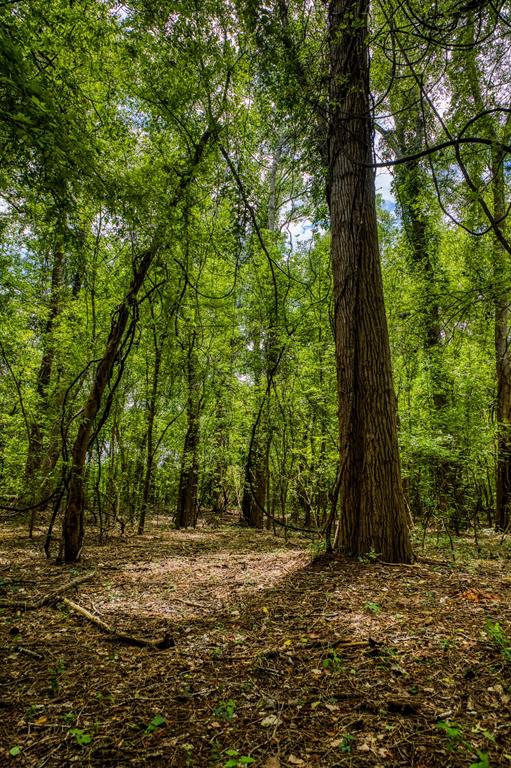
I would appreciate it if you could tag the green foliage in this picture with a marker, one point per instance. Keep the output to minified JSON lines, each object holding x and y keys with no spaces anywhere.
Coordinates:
{"x":333,"y":661}
{"x":458,"y":741}
{"x":101,"y":112}
{"x":236,"y":760}
{"x":157,"y":722}
{"x":373,"y":607}
{"x":225,"y":709}
{"x":56,"y":675}
{"x":347,"y":743}
{"x":499,"y":639}
{"x":370,"y":557}
{"x":81,"y":737}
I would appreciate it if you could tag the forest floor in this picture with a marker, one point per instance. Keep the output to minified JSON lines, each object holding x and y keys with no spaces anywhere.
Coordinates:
{"x":279,"y":659}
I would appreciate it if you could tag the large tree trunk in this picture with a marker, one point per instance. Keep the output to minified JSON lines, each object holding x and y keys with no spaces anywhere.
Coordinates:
{"x":373,"y":514}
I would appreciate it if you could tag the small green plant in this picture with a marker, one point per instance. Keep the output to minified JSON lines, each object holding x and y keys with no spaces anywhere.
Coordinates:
{"x":15,"y":751}
{"x":333,"y":661}
{"x":483,"y":760}
{"x":499,"y":639}
{"x":317,"y":548}
{"x":369,"y":557}
{"x":454,"y":733}
{"x":236,"y":760}
{"x":225,"y":709}
{"x":188,"y":748}
{"x":373,"y":607}
{"x":69,"y":717}
{"x":345,"y":745}
{"x":156,"y":722}
{"x":457,"y":740}
{"x":55,"y":675}
{"x":82,"y":738}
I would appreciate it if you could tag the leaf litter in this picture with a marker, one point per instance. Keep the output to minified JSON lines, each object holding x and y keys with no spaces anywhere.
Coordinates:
{"x":279,"y":659}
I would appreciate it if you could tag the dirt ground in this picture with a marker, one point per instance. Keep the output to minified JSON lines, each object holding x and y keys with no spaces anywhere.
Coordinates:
{"x":276,"y":658}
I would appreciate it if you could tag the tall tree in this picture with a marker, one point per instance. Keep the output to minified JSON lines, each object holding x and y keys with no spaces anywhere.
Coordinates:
{"x":373,"y":516}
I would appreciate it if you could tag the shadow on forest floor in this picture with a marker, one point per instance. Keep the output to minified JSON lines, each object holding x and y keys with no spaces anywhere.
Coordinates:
{"x":279,"y":660}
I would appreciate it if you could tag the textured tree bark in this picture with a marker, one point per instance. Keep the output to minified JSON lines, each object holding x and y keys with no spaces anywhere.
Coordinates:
{"x":373,"y":516}
{"x":254,"y":494}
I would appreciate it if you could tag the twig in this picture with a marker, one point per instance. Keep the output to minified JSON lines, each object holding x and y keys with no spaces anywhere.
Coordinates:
{"x":29,"y":652}
{"x":188,"y":602}
{"x":165,"y":642}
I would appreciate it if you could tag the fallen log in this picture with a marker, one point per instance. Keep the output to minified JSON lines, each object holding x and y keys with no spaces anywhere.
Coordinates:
{"x":163,"y":643}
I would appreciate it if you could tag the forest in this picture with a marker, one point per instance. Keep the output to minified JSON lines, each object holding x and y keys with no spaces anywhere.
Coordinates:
{"x":255,"y":383}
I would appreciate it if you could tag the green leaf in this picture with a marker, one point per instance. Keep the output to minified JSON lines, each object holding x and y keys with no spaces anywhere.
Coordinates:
{"x":156,"y":722}
{"x":14,"y":751}
{"x":483,"y":761}
{"x":81,"y":737}
{"x":19,"y":117}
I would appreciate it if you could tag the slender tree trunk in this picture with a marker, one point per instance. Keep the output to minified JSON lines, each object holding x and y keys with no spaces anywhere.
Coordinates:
{"x":35,"y":456}
{"x":73,"y":525}
{"x":151,"y":414}
{"x":257,"y":470}
{"x":254,"y":494}
{"x":189,"y":478}
{"x":373,"y":512}
{"x":219,"y":495}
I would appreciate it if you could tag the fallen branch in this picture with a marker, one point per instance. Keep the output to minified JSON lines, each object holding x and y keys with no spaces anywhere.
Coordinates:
{"x":29,"y":652}
{"x":165,"y":642}
{"x":49,"y":598}
{"x":339,"y":643}
{"x":191,"y":603}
